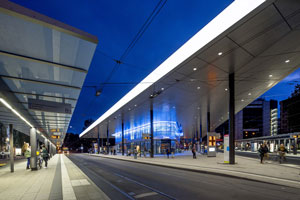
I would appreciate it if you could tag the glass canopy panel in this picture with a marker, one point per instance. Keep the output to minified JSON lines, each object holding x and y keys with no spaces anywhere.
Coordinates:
{"x":10,"y":66}
{"x":46,"y":89}
{"x":35,"y":40}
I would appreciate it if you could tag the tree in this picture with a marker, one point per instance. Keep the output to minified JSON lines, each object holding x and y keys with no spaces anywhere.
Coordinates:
{"x":87,"y":123}
{"x":296,"y":91}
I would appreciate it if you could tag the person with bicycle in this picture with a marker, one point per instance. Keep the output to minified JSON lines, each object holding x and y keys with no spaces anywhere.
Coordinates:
{"x":281,"y":152}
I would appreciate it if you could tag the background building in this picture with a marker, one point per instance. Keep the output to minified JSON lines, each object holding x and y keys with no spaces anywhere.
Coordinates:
{"x":290,"y":113}
{"x":260,"y":118}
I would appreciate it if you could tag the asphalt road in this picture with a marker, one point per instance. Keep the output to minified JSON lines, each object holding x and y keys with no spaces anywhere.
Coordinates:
{"x":127,"y":180}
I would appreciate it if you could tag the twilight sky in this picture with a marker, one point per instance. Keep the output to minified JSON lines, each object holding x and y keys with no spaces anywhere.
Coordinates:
{"x":116,"y":23}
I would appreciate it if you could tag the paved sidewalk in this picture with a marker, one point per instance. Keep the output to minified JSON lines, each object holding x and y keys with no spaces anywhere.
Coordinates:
{"x":249,"y":168}
{"x":61,"y":180}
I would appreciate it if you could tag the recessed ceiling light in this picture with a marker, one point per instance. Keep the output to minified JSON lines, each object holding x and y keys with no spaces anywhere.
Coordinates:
{"x":220,"y":53}
{"x":287,"y":61}
{"x":270,"y":84}
{"x":249,"y":93}
{"x":198,"y":108}
{"x":135,"y":105}
{"x":226,"y":89}
{"x":195,"y":69}
{"x":198,"y":88}
{"x":162,"y":88}
{"x":242,"y":100}
{"x":129,"y":109}
{"x":270,"y":75}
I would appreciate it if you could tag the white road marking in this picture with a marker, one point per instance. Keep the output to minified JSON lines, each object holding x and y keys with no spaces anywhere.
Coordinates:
{"x":145,"y":195}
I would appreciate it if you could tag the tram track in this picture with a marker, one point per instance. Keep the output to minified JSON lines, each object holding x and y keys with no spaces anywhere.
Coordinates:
{"x":127,"y":180}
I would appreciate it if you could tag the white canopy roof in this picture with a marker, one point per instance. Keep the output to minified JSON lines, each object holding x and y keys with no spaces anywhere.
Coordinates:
{"x":40,"y":58}
{"x":257,"y":40}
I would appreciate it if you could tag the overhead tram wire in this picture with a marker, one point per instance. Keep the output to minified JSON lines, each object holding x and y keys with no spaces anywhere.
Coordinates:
{"x":140,"y":33}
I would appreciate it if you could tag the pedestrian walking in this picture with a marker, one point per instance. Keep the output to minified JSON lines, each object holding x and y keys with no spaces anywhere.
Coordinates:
{"x":194,"y":152}
{"x":281,"y":152}
{"x":135,"y":153}
{"x":172,"y":152}
{"x":27,"y":156}
{"x":45,"y":156}
{"x":168,"y":152}
{"x":263,"y":152}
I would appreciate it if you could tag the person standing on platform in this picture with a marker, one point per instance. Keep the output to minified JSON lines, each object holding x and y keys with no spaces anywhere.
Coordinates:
{"x":194,"y":152}
{"x":168,"y":152}
{"x":27,"y":155}
{"x":172,"y":152}
{"x":145,"y":151}
{"x":263,"y":151}
{"x":45,"y":156}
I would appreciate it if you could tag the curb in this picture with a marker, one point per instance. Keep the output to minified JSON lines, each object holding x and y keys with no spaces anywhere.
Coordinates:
{"x":217,"y":173}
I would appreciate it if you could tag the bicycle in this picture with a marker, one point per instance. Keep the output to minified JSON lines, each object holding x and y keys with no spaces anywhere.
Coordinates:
{"x":39,"y":161}
{"x":281,"y":156}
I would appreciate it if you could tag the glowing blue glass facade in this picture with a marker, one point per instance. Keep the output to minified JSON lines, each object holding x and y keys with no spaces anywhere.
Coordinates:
{"x":162,"y":130}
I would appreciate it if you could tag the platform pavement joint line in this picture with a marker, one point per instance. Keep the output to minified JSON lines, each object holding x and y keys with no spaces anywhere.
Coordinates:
{"x":245,"y":168}
{"x":82,"y":186}
{"x":67,"y":188}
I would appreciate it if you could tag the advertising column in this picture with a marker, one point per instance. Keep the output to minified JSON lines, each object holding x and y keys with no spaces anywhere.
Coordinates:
{"x":226,"y":149}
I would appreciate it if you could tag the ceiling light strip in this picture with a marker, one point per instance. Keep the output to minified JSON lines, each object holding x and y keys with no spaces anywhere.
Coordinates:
{"x":19,"y":115}
{"x":14,"y":111}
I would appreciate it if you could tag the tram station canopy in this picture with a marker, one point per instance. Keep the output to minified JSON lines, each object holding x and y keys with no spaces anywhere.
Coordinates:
{"x":257,"y":40}
{"x":43,"y":64}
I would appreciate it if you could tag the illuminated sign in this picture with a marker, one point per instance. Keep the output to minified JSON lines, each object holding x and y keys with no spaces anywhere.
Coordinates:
{"x":55,"y":130}
{"x":49,"y":106}
{"x":162,"y":130}
{"x":212,"y":141}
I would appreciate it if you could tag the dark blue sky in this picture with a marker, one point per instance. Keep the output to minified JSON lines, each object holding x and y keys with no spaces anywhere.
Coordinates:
{"x":115,"y":23}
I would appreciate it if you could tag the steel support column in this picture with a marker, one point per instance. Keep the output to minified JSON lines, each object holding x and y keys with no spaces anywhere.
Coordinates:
{"x":200,"y":133}
{"x":107,"y":140}
{"x":231,"y":120}
{"x":33,"y":144}
{"x":98,"y":140}
{"x":295,"y":146}
{"x":11,"y":148}
{"x":123,"y":150}
{"x":208,"y":121}
{"x":49,"y":151}
{"x":151,"y":129}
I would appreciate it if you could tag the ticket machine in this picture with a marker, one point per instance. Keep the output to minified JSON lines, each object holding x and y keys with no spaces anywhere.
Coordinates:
{"x":211,"y":144}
